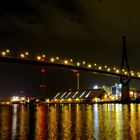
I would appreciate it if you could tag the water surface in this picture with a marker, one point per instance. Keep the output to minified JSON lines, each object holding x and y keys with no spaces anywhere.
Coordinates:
{"x":70,"y":122}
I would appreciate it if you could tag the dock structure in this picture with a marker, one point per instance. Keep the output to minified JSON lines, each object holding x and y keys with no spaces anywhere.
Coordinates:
{"x":82,"y":96}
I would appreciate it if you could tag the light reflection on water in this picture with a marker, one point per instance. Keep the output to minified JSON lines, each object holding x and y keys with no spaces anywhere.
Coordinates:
{"x":70,"y":122}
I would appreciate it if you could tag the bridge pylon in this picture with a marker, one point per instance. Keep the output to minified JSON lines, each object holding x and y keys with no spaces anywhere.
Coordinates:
{"x":125,"y":80}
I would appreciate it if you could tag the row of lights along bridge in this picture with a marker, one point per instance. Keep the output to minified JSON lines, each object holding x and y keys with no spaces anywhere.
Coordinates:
{"x":43,"y":57}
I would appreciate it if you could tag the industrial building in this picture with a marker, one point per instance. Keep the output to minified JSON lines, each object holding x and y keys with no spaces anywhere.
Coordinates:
{"x":93,"y":95}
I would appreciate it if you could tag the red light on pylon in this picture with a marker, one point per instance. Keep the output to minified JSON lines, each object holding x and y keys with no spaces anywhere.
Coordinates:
{"x":21,"y":92}
{"x":43,"y":70}
{"x":77,"y":74}
{"x":43,"y":86}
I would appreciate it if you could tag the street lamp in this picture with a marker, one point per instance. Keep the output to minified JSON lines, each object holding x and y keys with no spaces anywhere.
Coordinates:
{"x":3,"y":53}
{"x":22,"y":55}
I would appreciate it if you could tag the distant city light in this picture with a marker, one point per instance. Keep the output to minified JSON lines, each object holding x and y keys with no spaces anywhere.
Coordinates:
{"x":95,"y":87}
{"x":15,"y":99}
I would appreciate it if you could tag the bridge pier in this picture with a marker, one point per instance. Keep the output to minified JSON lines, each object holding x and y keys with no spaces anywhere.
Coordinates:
{"x":125,"y":80}
{"x":125,"y":93}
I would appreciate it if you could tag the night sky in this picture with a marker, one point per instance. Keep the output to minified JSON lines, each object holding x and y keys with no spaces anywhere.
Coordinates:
{"x":88,"y":30}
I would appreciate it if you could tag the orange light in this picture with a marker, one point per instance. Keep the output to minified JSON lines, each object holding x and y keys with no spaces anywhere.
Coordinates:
{"x":38,"y":57}
{"x":22,"y":55}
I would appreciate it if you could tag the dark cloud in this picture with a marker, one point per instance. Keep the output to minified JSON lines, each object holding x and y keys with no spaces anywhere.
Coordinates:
{"x":90,"y":24}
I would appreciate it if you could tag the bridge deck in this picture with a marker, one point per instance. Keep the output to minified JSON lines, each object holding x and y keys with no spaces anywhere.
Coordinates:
{"x":61,"y":65}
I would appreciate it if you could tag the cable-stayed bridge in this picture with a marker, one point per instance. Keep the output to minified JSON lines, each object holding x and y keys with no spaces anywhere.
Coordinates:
{"x":43,"y":60}
{"x":123,"y":72}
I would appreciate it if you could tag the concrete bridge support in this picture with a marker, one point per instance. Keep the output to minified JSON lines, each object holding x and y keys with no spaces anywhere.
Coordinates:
{"x":125,"y":93}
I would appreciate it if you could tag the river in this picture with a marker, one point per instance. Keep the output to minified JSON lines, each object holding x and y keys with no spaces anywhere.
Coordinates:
{"x":70,"y":122}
